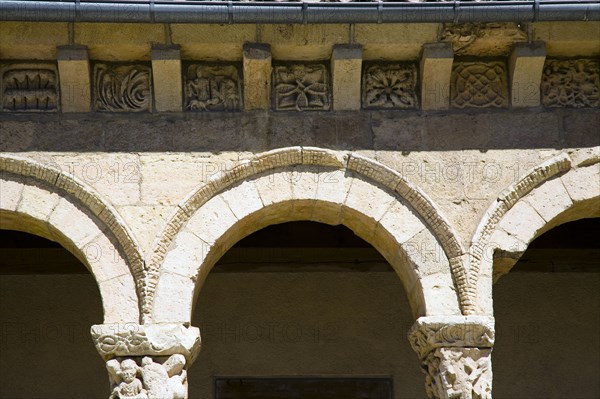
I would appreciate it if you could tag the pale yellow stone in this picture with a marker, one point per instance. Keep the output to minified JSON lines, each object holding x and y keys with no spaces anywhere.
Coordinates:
{"x":294,"y":42}
{"x":74,"y":72}
{"x":346,"y":64}
{"x":550,"y":199}
{"x":394,"y":42}
{"x":523,"y":222}
{"x":21,"y":40}
{"x":569,"y":39}
{"x":119,"y":42}
{"x":211,"y":41}
{"x":37,"y":202}
{"x":119,"y":300}
{"x":583,"y":183}
{"x":11,"y":194}
{"x":257,"y":76}
{"x":186,"y":255}
{"x":174,"y":294}
{"x":525,"y":67}
{"x":440,"y":295}
{"x":212,"y":221}
{"x":436,"y":69}
{"x":166,"y":78}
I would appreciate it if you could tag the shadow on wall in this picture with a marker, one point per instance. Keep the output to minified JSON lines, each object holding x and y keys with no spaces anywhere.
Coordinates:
{"x":260,"y":131}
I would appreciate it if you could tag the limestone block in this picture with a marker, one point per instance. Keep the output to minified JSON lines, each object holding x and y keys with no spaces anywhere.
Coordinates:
{"x":476,"y":84}
{"x":436,"y":69}
{"x":80,"y":232}
{"x":398,"y":224}
{"x":424,"y":251}
{"x":364,"y":206}
{"x":104,"y":258}
{"x":583,"y":183}
{"x":523,"y":222}
{"x":275,"y":187}
{"x":550,"y":199}
{"x":295,"y":42}
{"x":211,"y":41}
{"x":145,"y":222}
{"x":304,"y":190}
{"x":119,"y":300}
{"x":37,"y":203}
{"x":331,"y":194}
{"x":20,"y":40}
{"x":569,"y":39}
{"x":118,"y":42}
{"x":346,"y":63}
{"x":503,"y":241}
{"x":394,"y":41}
{"x":173,"y":299}
{"x":11,"y":194}
{"x":212,"y":220}
{"x":440,"y":294}
{"x":187,"y":254}
{"x":74,"y":71}
{"x":243,"y":199}
{"x":131,"y":339}
{"x":525,"y":67}
{"x":257,"y":76}
{"x":166,"y":76}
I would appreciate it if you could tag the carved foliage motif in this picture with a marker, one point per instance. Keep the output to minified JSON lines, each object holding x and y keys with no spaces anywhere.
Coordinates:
{"x":149,"y":379}
{"x":122,"y":88}
{"x":212,"y":88}
{"x":390,"y":86}
{"x":571,"y":83}
{"x":464,"y":373}
{"x":29,"y":88}
{"x":301,"y":87}
{"x":483,"y":39}
{"x":479,"y":85}
{"x":124,"y":341}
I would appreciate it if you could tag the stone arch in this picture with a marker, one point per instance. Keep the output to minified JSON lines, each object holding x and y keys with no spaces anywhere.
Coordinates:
{"x":294,"y":184}
{"x":562,"y":189}
{"x":42,"y":200}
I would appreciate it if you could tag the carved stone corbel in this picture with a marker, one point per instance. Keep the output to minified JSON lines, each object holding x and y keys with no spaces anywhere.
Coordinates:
{"x":147,"y":361}
{"x":455,"y":352}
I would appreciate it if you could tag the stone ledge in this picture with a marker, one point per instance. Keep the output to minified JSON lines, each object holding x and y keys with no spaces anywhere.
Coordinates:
{"x":130,"y":339}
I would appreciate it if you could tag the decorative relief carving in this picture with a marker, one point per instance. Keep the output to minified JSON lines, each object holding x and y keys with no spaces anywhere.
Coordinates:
{"x":301,"y":87}
{"x":390,"y":86}
{"x":116,"y":340}
{"x":571,"y":83}
{"x":429,"y":333}
{"x":29,"y":88}
{"x":479,"y":85}
{"x":483,"y":39}
{"x":464,"y":373}
{"x":122,"y":88}
{"x":212,"y":88}
{"x":149,"y":379}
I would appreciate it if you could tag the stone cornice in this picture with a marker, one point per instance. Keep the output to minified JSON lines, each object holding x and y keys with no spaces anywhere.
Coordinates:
{"x":429,"y":333}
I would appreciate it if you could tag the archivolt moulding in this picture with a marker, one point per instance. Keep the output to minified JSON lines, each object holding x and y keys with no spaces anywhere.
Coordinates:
{"x":280,"y":161}
{"x":561,"y":189}
{"x":78,"y":217}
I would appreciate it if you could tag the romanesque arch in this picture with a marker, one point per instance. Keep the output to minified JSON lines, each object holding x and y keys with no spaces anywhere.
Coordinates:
{"x":44,"y":201}
{"x":562,"y":189}
{"x":292,"y":184}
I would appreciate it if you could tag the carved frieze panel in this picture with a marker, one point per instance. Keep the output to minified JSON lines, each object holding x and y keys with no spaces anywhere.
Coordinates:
{"x":389,"y":86}
{"x":301,"y":87}
{"x":122,"y":88}
{"x":148,"y":378}
{"x":212,"y":88}
{"x":486,"y":39}
{"x":571,"y":83}
{"x":29,"y":88}
{"x":479,"y":85}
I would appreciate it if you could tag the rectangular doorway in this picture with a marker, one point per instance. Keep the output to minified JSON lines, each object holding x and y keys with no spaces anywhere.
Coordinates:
{"x":303,"y":388}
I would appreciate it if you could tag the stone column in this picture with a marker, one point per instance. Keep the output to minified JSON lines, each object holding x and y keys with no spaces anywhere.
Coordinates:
{"x":455,"y":352}
{"x":147,"y":361}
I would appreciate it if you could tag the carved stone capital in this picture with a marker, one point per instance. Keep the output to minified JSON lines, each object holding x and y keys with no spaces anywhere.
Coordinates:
{"x":130,"y":340}
{"x":430,"y":333}
{"x":458,"y":373}
{"x":148,"y":378}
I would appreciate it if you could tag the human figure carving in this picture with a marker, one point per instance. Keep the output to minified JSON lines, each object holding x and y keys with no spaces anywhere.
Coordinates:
{"x":158,"y":381}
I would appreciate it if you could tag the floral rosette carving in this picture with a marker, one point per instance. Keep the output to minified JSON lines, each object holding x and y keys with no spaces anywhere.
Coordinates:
{"x":390,"y":86}
{"x":301,"y":87}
